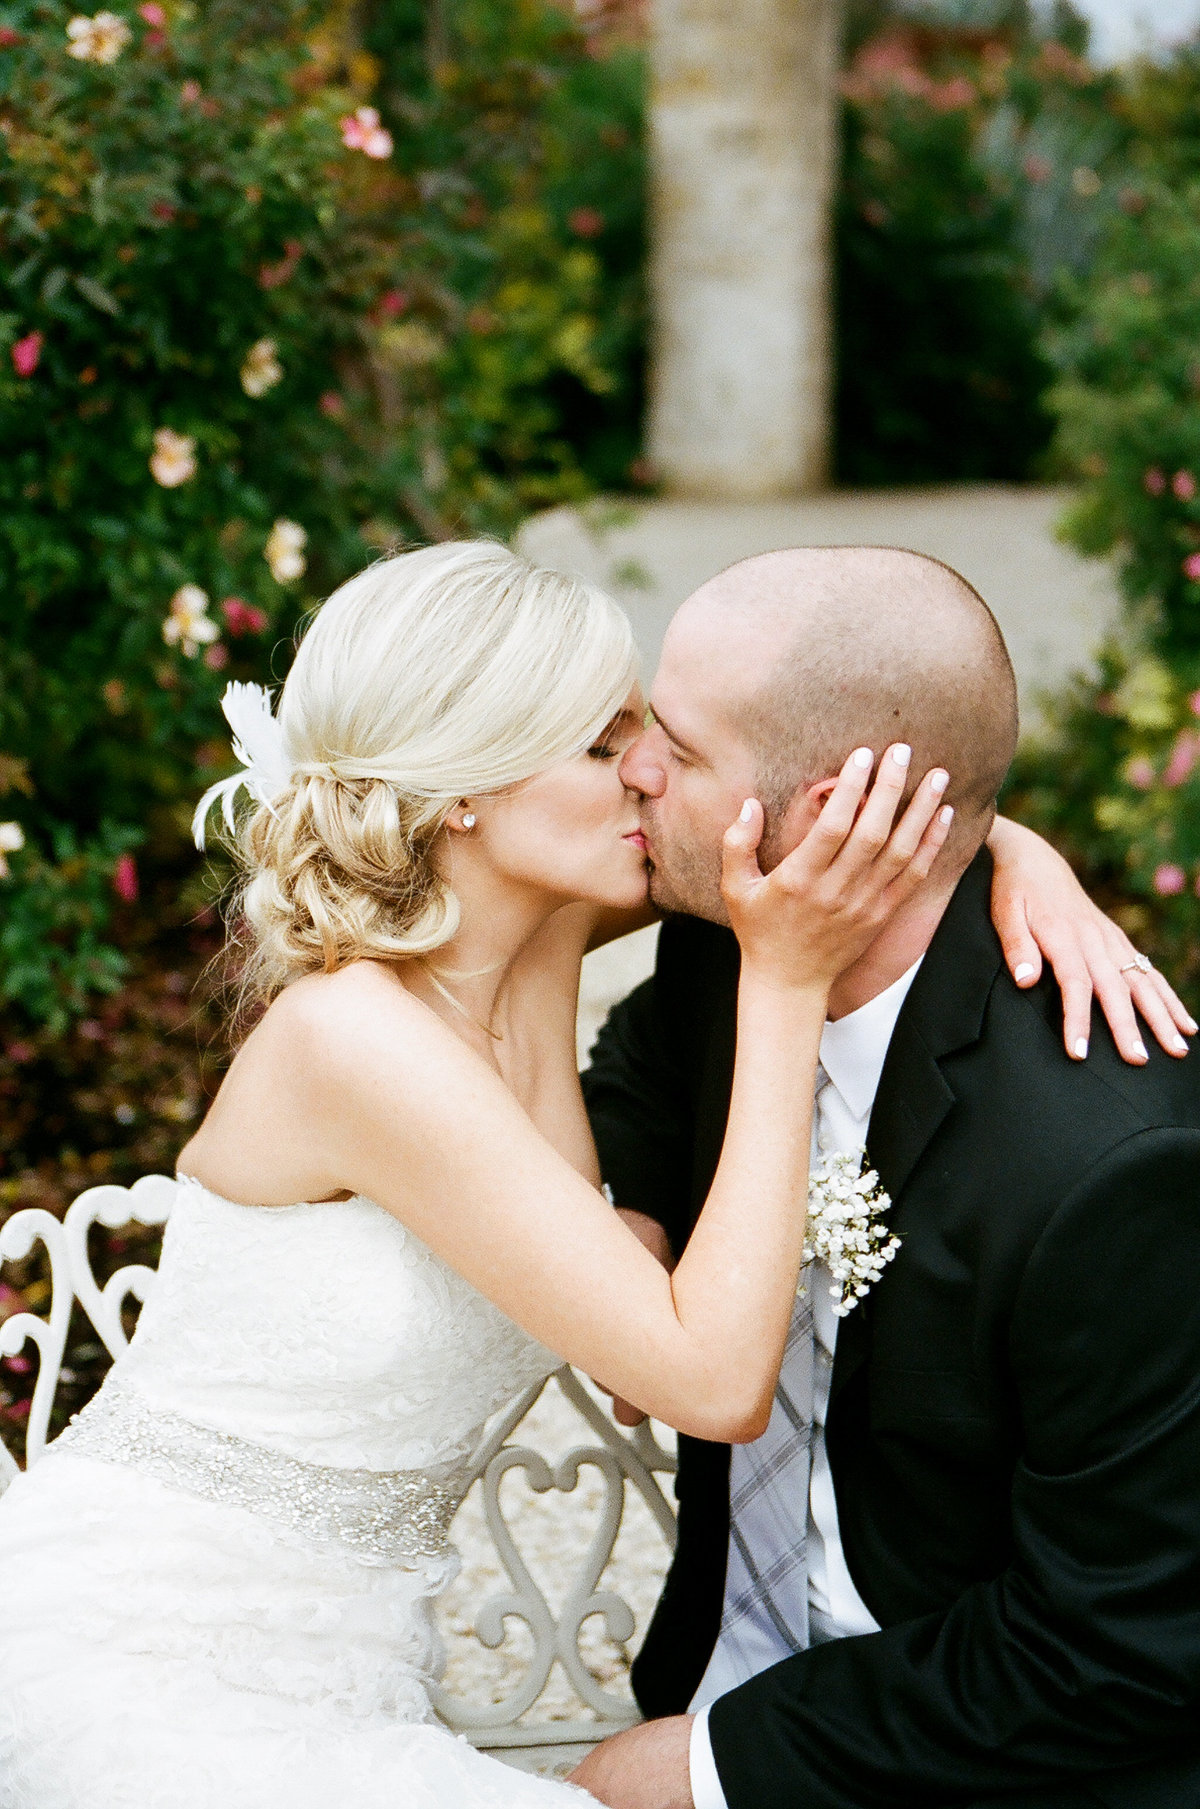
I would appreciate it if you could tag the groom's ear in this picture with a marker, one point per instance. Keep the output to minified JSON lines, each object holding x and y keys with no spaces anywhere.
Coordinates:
{"x":790,"y":829}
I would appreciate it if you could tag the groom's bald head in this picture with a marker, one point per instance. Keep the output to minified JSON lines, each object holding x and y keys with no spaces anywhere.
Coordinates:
{"x":860,"y":646}
{"x":776,"y":669}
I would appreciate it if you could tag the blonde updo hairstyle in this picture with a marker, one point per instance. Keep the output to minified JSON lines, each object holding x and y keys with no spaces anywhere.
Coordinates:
{"x":448,"y":673}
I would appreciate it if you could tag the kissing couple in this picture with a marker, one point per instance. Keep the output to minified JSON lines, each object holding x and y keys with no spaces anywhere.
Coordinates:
{"x":945,"y":1550}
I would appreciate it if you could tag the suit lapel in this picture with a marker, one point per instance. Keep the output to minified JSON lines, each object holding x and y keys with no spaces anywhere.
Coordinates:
{"x":943,"y":1012}
{"x":912,"y":1100}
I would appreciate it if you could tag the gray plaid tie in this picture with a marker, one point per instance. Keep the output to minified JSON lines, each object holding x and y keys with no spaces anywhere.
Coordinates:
{"x":768,"y":1555}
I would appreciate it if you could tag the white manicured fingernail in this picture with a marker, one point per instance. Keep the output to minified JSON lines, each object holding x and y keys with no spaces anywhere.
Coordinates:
{"x":1081,"y":1048}
{"x":747,"y":811}
{"x":939,"y":781}
{"x":1024,"y":972}
{"x":1139,"y":1049}
{"x":863,"y":757}
{"x":902,"y":753}
{"x":946,"y":814}
{"x":1191,"y":1024}
{"x":1179,"y":1047}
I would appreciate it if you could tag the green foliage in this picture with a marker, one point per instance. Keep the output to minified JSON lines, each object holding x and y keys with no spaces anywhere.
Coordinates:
{"x":978,"y":164}
{"x":249,"y":335}
{"x":1120,"y":783}
{"x":53,"y":957}
{"x":525,"y":142}
{"x":1161,"y":102}
{"x":1126,"y":400}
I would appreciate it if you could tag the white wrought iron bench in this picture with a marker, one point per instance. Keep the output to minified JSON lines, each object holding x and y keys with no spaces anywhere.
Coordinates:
{"x":622,"y":1472}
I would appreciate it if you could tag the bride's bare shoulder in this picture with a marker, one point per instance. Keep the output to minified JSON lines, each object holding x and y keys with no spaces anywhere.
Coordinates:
{"x":325,"y":1053}
{"x":340,"y":1021}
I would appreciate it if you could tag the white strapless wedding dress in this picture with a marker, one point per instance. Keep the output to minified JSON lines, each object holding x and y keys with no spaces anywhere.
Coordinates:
{"x":215,"y":1587}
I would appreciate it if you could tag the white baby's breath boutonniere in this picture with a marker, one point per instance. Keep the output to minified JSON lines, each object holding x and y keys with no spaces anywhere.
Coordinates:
{"x":845,"y":1229}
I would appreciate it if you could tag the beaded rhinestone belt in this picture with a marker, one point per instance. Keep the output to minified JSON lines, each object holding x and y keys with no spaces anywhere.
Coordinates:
{"x":381,"y":1516}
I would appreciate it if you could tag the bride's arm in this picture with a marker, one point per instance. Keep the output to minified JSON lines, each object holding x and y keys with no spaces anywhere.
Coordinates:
{"x":1039,"y":908}
{"x":404,"y":1113}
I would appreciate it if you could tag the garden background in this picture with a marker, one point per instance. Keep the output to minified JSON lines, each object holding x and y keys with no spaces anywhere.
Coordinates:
{"x":285,"y":285}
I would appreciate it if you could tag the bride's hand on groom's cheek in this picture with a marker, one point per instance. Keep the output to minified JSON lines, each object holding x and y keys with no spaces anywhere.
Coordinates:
{"x":809,"y":917}
{"x":1040,"y":910}
{"x":646,"y":1767}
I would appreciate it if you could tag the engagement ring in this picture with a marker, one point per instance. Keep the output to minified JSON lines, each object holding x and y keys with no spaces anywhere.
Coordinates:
{"x":1140,"y":962}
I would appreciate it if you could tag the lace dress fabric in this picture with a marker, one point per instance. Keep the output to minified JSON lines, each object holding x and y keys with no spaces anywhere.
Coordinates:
{"x":216,"y":1585}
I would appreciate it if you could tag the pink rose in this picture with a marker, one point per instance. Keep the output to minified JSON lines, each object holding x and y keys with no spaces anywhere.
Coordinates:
{"x":391,"y":303}
{"x":1169,"y":880}
{"x":1183,"y":758}
{"x":125,"y":878}
{"x":1191,"y":566}
{"x":952,"y":95}
{"x":1140,"y":773}
{"x":332,"y":405}
{"x":153,"y":14}
{"x":1194,"y":703}
{"x":1184,"y":485}
{"x":1154,"y":482}
{"x":26,"y":354}
{"x":586,"y":222}
{"x":361,"y":131}
{"x":243,"y":618}
{"x":8,"y":37}
{"x":216,"y":657}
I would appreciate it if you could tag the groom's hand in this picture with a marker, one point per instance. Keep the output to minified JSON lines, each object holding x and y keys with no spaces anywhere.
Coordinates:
{"x":644,"y":1768}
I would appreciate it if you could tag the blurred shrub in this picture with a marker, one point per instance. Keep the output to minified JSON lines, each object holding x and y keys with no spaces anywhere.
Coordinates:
{"x":523,"y":134}
{"x":274,"y":295}
{"x":1120,"y":783}
{"x":978,"y":166}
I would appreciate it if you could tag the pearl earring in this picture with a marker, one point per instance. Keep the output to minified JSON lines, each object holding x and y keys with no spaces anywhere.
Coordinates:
{"x":468,"y":821}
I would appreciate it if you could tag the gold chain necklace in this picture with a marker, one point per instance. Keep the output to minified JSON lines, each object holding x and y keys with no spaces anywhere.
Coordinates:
{"x":496,"y":1035}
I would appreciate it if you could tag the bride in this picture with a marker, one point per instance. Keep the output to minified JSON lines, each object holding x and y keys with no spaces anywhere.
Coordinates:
{"x":216,"y":1584}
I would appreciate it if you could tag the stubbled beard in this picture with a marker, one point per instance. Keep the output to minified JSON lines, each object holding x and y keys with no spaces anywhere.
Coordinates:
{"x":693,"y":884}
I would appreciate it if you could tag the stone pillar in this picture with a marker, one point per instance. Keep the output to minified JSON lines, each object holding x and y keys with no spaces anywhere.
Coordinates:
{"x":743,"y":155}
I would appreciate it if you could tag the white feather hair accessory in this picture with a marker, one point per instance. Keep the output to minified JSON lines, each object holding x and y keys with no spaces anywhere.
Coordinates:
{"x":258,"y":745}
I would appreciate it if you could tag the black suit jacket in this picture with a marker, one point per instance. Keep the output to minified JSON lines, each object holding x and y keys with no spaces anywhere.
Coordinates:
{"x":1014,"y":1426}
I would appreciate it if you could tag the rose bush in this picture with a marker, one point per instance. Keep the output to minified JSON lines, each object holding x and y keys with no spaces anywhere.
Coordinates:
{"x":274,"y":295}
{"x":1119,"y":784}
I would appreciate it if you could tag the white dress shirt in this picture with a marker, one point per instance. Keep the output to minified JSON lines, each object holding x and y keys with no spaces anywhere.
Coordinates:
{"x":853,"y":1051}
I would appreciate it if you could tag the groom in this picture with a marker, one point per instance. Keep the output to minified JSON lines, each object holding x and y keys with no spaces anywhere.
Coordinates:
{"x":962,"y":1566}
